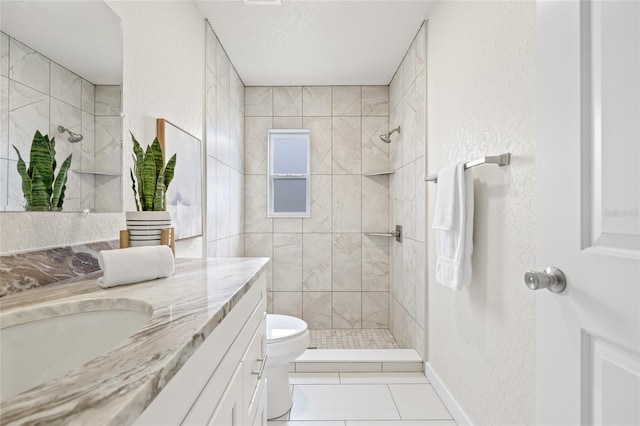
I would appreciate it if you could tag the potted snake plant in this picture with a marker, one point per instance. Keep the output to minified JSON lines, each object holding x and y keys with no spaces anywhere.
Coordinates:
{"x":43,"y":191}
{"x":150,"y":179}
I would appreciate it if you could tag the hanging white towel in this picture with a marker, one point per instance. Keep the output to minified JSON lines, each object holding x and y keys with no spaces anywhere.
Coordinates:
{"x":453,"y":225}
{"x":135,"y":264}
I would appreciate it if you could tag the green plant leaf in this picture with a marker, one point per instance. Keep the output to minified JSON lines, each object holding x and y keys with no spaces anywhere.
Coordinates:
{"x":42,"y":159}
{"x":139,"y":161}
{"x":157,"y":156}
{"x":169,"y":171}
{"x":52,"y":144}
{"x":64,"y":189}
{"x":26,"y":179}
{"x":149,"y":179}
{"x":39,"y":194}
{"x":135,"y":193}
{"x":61,"y":181}
{"x":158,"y":201}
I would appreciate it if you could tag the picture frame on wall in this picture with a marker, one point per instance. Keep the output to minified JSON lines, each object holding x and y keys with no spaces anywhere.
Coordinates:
{"x":184,"y":196}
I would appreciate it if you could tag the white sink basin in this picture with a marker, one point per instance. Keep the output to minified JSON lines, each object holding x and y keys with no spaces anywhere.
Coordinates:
{"x":41,"y":344}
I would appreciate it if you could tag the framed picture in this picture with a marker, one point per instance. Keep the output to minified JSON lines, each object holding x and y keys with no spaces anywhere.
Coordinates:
{"x":184,"y":195}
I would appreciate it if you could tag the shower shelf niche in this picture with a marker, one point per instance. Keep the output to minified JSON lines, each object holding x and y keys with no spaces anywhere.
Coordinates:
{"x":387,"y":172}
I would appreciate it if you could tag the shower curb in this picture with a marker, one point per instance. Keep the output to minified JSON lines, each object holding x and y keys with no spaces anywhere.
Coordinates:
{"x":357,"y":361}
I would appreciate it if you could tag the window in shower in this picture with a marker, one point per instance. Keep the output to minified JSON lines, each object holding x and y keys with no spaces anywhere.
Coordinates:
{"x":289,"y":163}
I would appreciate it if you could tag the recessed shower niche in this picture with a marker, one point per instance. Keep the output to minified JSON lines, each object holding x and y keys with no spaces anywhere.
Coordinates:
{"x":65,"y":82}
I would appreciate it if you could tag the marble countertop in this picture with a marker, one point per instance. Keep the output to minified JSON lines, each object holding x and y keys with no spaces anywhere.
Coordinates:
{"x":116,"y":387}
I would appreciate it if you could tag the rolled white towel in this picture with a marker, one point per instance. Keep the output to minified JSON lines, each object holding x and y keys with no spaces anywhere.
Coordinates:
{"x":133,"y":265}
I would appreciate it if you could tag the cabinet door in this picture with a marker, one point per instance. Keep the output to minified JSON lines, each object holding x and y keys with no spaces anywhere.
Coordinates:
{"x":261,"y":415}
{"x":229,"y":411}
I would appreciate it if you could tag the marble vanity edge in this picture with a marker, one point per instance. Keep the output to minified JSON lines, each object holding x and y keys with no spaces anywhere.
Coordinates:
{"x":115,"y":388}
{"x":27,"y":270}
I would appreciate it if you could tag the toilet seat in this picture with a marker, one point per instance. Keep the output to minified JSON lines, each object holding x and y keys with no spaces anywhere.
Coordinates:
{"x":281,"y":328}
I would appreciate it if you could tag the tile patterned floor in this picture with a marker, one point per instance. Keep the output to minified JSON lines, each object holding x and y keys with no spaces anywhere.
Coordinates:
{"x":353,"y":339}
{"x":364,"y":399}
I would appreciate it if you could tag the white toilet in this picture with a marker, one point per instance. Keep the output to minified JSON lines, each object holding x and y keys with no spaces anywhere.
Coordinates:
{"x":287,"y":339}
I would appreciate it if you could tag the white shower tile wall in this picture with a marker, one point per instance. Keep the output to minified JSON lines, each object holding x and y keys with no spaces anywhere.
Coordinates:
{"x":407,"y":289}
{"x":324,"y":269}
{"x":225,"y":149}
{"x":38,"y":94}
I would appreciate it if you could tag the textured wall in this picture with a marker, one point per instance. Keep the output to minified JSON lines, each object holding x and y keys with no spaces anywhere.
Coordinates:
{"x":481,"y":94}
{"x":324,"y":269}
{"x":408,"y":103}
{"x":225,"y":152}
{"x":163,"y":77}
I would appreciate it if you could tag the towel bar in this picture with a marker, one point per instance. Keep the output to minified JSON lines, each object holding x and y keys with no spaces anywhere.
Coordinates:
{"x":500,"y":160}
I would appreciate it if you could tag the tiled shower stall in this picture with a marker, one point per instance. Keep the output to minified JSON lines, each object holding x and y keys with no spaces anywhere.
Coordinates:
{"x":349,"y":286}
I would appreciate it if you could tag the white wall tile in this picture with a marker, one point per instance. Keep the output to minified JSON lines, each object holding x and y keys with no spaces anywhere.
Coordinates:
{"x":28,"y":112}
{"x":211,"y":200}
{"x":71,"y":118}
{"x":255,"y":202}
{"x":421,"y":218}
{"x":346,"y":145}
{"x":375,"y":101}
{"x":282,"y":225}
{"x":28,"y":67}
{"x":108,"y":100}
{"x":108,"y":196}
{"x":316,"y":261}
{"x":288,"y":303}
{"x":375,"y":263}
{"x":408,"y":131}
{"x":408,"y":296}
{"x":320,"y":128}
{"x":236,"y":139}
{"x":316,"y":101}
{"x":316,"y":309}
{"x":255,"y":154}
{"x":347,"y":309}
{"x":347,"y":262}
{"x":375,"y":309}
{"x":223,"y":202}
{"x":211,"y":48}
{"x":211,"y":114}
{"x":421,"y":285}
{"x":236,"y":202}
{"x":409,"y":66}
{"x":223,"y":123}
{"x":108,"y":143}
{"x":408,"y":214}
{"x":421,"y":49}
{"x":88,"y":150}
{"x":287,"y":122}
{"x":346,"y":101}
{"x":223,"y":67}
{"x":287,"y":101}
{"x":375,"y":153}
{"x":258,"y":101}
{"x":4,"y":117}
{"x":261,"y":245}
{"x":347,"y":203}
{"x":236,"y":88}
{"x":88,"y":95}
{"x":65,"y":85}
{"x":321,"y":207}
{"x":375,"y":203}
{"x":287,"y":262}
{"x":4,"y":55}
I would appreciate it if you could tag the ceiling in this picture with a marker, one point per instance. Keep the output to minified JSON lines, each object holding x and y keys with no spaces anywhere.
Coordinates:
{"x":316,"y":42}
{"x":83,"y":36}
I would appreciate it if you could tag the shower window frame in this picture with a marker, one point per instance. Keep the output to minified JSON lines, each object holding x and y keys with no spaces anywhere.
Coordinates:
{"x":273,"y":177}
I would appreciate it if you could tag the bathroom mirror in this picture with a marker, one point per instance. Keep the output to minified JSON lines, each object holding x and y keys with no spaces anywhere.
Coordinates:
{"x":61,"y":74}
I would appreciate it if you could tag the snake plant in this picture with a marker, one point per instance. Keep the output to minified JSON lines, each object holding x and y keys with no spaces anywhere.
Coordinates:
{"x":150,"y":179}
{"x":41,"y":191}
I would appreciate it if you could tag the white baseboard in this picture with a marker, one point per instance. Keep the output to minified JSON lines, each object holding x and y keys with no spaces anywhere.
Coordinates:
{"x":447,"y":398}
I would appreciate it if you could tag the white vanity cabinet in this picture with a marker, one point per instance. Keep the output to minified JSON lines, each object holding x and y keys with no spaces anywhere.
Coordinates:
{"x":224,"y":381}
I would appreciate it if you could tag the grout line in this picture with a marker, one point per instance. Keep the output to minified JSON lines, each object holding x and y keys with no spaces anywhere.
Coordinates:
{"x":394,"y":401}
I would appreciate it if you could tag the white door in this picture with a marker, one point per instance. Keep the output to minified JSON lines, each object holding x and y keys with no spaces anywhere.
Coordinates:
{"x":588,"y":190}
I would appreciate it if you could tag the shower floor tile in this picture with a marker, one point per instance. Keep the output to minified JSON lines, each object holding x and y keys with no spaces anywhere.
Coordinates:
{"x":353,"y":339}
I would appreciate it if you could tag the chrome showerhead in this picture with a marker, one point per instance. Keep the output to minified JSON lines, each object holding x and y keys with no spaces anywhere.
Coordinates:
{"x":386,"y":138}
{"x":73,"y":137}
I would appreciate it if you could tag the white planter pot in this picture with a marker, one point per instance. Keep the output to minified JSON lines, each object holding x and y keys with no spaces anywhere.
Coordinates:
{"x":144,"y":227}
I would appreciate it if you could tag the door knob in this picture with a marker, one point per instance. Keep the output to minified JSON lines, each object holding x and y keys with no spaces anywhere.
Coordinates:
{"x":551,"y":278}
